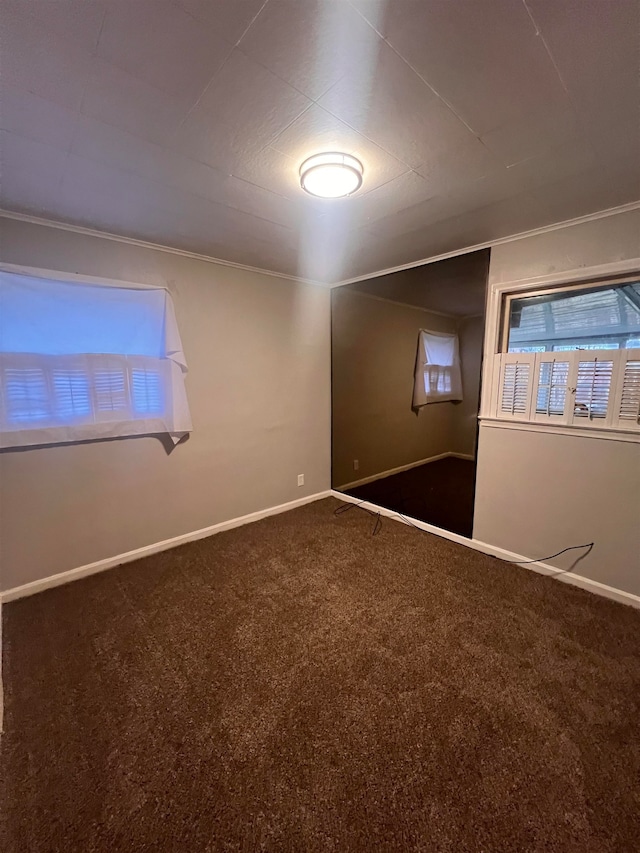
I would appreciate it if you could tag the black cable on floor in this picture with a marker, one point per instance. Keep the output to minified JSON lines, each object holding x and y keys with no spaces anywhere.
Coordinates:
{"x":347,"y":506}
{"x":378,"y":526}
{"x":588,"y":545}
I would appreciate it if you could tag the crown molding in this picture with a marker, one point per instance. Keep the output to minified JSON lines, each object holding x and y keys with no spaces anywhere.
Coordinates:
{"x":411,"y":305}
{"x":545,"y":229}
{"x":133,"y":241}
{"x":144,"y":244}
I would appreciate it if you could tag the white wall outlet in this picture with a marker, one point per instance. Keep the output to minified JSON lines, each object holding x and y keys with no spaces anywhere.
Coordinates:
{"x":301,"y":479}
{"x":356,"y":464}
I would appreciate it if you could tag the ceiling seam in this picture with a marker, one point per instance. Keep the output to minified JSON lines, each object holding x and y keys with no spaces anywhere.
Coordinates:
{"x":360,"y":133}
{"x":171,"y":138}
{"x":251,"y":22}
{"x":275,"y":74}
{"x":236,"y":46}
{"x":418,"y":75}
{"x":104,"y":18}
{"x":540,"y":35}
{"x":217,"y":71}
{"x":269,"y":144}
{"x":315,"y":102}
{"x":556,"y":68}
{"x":78,"y":113}
{"x":440,"y":97}
{"x":163,"y":184}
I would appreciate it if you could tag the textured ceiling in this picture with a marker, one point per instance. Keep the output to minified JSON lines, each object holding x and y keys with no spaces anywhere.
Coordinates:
{"x":456,"y":286}
{"x":183,"y":122}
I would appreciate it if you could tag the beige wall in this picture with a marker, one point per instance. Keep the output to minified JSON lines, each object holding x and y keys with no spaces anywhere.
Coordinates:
{"x":374,"y":350}
{"x":259,"y":391}
{"x":539,"y":492}
{"x":465,"y":415}
{"x":601,"y":241}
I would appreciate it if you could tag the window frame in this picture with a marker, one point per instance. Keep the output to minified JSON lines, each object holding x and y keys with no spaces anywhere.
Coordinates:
{"x":500,"y":295}
{"x":512,"y":296}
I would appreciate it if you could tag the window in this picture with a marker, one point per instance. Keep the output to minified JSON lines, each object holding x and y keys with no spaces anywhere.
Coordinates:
{"x":437,"y":372}
{"x":85,"y":360}
{"x":593,"y":318}
{"x":572,"y":357}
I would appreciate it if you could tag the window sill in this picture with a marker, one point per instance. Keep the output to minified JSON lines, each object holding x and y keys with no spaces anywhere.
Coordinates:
{"x":72,"y":434}
{"x":607,"y":433}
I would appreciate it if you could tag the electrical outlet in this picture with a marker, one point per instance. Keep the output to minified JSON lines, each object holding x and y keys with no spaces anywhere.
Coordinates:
{"x":301,"y":479}
{"x":356,"y":464}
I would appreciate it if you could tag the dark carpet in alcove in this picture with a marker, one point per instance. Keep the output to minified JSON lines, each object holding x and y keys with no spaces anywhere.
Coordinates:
{"x":301,"y":685}
{"x":439,"y":493}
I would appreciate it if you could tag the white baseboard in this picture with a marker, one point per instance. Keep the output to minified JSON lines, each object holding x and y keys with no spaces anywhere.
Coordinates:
{"x":542,"y":568}
{"x":109,"y":563}
{"x":401,"y":468}
{"x":494,"y":551}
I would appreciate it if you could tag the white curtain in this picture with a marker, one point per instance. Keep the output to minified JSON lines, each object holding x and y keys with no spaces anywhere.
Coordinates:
{"x":437,"y":374}
{"x":85,"y":360}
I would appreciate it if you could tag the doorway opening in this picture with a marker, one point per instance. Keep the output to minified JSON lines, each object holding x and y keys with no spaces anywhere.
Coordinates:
{"x":406,"y":367}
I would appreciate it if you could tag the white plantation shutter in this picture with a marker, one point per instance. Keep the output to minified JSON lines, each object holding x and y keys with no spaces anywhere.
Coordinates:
{"x":627,"y":404}
{"x":551,"y":396}
{"x":26,"y":393}
{"x":147,"y":390}
{"x":515,"y":383}
{"x":514,"y":399}
{"x":71,"y":396}
{"x":593,"y":389}
{"x":110,"y":388}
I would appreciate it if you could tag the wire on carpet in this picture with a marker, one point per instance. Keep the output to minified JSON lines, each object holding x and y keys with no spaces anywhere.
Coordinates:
{"x":347,"y":506}
{"x":378,"y":526}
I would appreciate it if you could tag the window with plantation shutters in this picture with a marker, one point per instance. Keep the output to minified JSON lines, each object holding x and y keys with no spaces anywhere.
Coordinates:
{"x":571,"y":357}
{"x":599,"y":390}
{"x":87,"y":360}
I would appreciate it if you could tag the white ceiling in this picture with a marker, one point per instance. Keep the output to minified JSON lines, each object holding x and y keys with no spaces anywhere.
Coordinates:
{"x":183,"y":122}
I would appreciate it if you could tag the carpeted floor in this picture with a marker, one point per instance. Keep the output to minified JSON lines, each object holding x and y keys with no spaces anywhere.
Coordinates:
{"x":299,"y":685}
{"x":439,"y":493}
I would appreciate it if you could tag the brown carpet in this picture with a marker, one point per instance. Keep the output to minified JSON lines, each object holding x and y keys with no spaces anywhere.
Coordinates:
{"x":299,"y":685}
{"x":440,"y":493}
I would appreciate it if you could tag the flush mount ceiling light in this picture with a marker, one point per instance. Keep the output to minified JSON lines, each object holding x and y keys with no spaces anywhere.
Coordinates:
{"x":331,"y":175}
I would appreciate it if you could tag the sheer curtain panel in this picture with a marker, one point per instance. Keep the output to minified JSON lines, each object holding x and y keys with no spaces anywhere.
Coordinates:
{"x":82,"y":360}
{"x":437,"y":375}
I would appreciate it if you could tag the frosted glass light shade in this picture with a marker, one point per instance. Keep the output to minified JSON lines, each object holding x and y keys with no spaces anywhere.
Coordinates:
{"x":331,"y":175}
